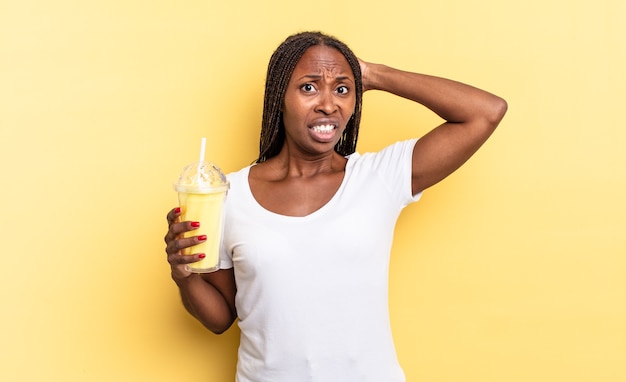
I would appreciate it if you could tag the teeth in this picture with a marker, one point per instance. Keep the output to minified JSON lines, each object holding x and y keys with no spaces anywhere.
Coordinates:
{"x":324,"y":128}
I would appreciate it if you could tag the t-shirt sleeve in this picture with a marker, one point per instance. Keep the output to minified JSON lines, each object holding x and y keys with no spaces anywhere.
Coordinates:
{"x":393,"y":165}
{"x":226,"y":260}
{"x":226,"y":257}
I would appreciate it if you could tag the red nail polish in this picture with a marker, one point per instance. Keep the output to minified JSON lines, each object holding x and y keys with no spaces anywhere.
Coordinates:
{"x":177,"y":210}
{"x":202,"y":255}
{"x":195,"y":224}
{"x":202,"y":237}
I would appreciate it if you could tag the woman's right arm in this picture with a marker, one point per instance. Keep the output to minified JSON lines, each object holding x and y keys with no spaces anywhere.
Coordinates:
{"x":209,"y":297}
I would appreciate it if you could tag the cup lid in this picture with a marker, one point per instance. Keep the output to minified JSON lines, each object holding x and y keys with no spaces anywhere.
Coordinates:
{"x":201,"y":177}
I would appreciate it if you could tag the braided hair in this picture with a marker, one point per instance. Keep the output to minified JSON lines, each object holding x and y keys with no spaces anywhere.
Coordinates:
{"x":281,"y":66}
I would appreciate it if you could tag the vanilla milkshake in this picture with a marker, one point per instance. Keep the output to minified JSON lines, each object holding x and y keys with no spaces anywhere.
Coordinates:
{"x":202,"y":189}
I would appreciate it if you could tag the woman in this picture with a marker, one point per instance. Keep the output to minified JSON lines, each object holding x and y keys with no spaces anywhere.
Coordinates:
{"x":309,"y":226}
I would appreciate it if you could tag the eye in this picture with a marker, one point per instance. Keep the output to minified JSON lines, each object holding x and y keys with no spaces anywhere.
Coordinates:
{"x":308,"y":88}
{"x":342,"y":90}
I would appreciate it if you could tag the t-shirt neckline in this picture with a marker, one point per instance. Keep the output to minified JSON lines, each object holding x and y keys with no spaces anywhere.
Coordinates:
{"x":319,"y":211}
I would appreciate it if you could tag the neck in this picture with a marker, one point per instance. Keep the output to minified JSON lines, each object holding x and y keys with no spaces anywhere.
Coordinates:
{"x":298,"y":165}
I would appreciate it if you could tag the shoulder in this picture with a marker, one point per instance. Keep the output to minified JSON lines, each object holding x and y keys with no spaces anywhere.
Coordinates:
{"x":393,"y":153}
{"x":238,"y":179}
{"x":262,"y":171}
{"x":237,"y":175}
{"x":390,"y":167}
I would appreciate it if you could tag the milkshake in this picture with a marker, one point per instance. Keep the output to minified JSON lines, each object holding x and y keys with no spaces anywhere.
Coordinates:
{"x":202,"y":189}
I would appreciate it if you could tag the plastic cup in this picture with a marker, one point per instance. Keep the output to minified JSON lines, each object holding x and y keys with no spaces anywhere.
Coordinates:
{"x":202,"y":189}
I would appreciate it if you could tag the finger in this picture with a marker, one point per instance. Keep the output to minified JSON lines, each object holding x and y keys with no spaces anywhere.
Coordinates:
{"x":176,"y":229}
{"x":173,"y":215}
{"x":178,"y":263}
{"x":175,"y":246}
{"x":177,"y":259}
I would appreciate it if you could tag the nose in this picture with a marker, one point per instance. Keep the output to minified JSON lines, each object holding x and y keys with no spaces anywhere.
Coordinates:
{"x":326,"y":103}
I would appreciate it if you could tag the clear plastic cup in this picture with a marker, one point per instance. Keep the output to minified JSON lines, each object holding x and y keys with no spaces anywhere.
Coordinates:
{"x":202,"y":189}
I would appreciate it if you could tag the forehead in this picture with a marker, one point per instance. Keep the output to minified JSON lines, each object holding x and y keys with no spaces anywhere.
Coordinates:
{"x":321,"y":59}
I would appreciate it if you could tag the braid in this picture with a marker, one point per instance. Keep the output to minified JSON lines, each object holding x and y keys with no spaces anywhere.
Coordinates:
{"x":281,"y":66}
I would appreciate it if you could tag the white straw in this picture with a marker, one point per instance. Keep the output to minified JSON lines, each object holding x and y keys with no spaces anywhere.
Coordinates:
{"x":200,"y":163}
{"x":202,"y":149}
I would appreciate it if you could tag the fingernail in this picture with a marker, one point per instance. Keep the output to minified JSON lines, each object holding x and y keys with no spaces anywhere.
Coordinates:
{"x":195,"y":224}
{"x":202,"y":255}
{"x":177,"y":210}
{"x":202,"y":237}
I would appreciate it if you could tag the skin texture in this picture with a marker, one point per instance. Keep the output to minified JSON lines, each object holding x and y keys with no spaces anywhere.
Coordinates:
{"x":307,"y":171}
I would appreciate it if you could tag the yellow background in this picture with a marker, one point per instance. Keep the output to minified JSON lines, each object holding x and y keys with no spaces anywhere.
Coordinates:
{"x":511,"y":270}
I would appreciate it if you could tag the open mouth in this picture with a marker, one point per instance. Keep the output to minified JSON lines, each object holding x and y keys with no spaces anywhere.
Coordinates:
{"x":323,"y":133}
{"x":323,"y":129}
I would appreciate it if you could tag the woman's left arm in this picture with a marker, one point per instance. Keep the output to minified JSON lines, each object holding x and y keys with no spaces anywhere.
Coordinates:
{"x":471,"y":116}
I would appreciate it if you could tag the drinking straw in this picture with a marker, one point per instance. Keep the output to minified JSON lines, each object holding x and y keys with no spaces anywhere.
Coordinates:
{"x":202,"y":149}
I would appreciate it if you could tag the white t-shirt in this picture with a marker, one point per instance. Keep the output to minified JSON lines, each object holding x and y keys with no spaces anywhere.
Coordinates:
{"x":312,"y":291}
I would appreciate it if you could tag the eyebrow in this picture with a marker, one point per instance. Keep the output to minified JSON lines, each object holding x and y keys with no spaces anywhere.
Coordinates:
{"x":319,"y":77}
